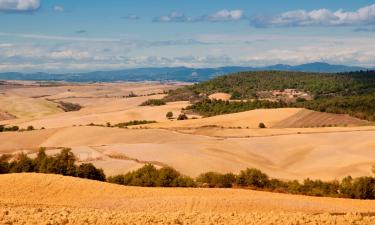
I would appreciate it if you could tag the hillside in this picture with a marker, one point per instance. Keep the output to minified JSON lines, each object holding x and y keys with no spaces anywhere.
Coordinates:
{"x":327,"y":154}
{"x":171,"y":73}
{"x":32,"y":198}
{"x":346,"y":93}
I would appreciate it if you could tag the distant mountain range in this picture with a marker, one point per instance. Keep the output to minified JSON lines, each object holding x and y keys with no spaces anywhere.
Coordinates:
{"x":171,"y":73}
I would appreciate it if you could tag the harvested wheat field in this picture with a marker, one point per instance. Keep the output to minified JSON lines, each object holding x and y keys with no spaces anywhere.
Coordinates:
{"x":54,"y":199}
{"x":326,"y":155}
{"x":272,"y":118}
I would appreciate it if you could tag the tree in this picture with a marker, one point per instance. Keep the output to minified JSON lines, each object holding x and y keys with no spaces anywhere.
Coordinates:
{"x":89,"y":171}
{"x":182,"y":116}
{"x":22,"y":164}
{"x":252,"y":177}
{"x":364,"y":188}
{"x":169,"y":115}
{"x":29,"y":128}
{"x":63,"y":163}
{"x":262,"y":125}
{"x":167,"y":177}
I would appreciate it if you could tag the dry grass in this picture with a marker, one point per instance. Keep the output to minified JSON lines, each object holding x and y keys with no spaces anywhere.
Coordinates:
{"x":327,"y":156}
{"x":53,"y":199}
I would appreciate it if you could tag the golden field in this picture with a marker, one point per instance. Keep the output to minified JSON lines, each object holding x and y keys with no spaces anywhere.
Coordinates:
{"x":295,"y":145}
{"x":54,"y":199}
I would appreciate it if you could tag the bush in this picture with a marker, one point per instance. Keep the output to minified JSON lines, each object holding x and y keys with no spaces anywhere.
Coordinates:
{"x":133,"y":123}
{"x":252,"y":178}
{"x":89,"y":171}
{"x":153,"y":102}
{"x":29,"y":128}
{"x":149,"y":176}
{"x":169,"y":115}
{"x":262,"y":125}
{"x":167,"y":177}
{"x":182,"y":117}
{"x":217,"y":180}
{"x":68,"y":106}
{"x":62,"y":163}
{"x":364,"y":188}
{"x":22,"y":164}
{"x":4,"y":167}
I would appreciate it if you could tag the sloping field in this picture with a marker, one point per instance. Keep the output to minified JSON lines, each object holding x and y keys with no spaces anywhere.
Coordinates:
{"x":248,"y":119}
{"x":113,"y":111}
{"x":6,"y":116}
{"x":272,"y":118}
{"x":296,"y":156}
{"x":308,"y":118}
{"x":54,"y":199}
{"x":24,"y":107}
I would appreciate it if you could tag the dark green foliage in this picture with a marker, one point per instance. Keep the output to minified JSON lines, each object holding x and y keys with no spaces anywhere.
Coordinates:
{"x":360,"y":106}
{"x":262,"y":125}
{"x":217,"y":180}
{"x":12,"y":128}
{"x":153,"y":102}
{"x":62,"y":163}
{"x":245,"y":85}
{"x":252,"y":178}
{"x":149,"y":176}
{"x":68,"y":106}
{"x":320,"y":188}
{"x":169,"y":115}
{"x":209,"y":107}
{"x":363,"y":188}
{"x":89,"y":171}
{"x":22,"y":164}
{"x":345,"y":93}
{"x":182,"y":117}
{"x":29,"y":128}
{"x":133,"y":123}
{"x":4,"y":167}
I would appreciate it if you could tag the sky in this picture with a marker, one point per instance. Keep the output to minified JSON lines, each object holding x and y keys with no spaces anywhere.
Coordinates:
{"x":87,"y":35}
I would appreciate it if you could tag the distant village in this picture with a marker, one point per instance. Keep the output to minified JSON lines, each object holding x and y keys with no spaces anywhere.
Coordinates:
{"x":287,"y":95}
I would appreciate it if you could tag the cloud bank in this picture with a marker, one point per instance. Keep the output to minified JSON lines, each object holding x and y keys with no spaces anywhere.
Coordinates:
{"x":325,"y":17}
{"x":223,"y":15}
{"x":19,"y":5}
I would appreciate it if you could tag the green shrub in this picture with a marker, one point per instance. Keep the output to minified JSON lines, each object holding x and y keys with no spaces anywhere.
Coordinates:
{"x":252,"y":178}
{"x":29,"y":128}
{"x":364,"y":188}
{"x":149,"y":176}
{"x":133,"y":123}
{"x":182,"y":117}
{"x":153,"y":102}
{"x":169,"y":115}
{"x":89,"y":171}
{"x":4,"y":167}
{"x":213,"y":179}
{"x":262,"y":125}
{"x":22,"y":164}
{"x":69,"y":107}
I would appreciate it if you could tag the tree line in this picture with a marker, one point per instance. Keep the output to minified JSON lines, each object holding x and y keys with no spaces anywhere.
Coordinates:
{"x":65,"y":163}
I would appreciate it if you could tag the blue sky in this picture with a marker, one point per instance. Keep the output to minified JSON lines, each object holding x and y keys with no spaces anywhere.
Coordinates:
{"x":81,"y":35}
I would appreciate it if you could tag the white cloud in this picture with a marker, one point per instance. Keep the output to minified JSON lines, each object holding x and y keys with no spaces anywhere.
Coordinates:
{"x":19,"y":5}
{"x":226,"y":15}
{"x":58,"y":8}
{"x":363,"y":16}
{"x":223,"y":15}
{"x":131,"y":17}
{"x":174,"y":17}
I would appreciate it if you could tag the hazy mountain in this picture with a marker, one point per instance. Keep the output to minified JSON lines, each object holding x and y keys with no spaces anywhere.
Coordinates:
{"x":170,"y":73}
